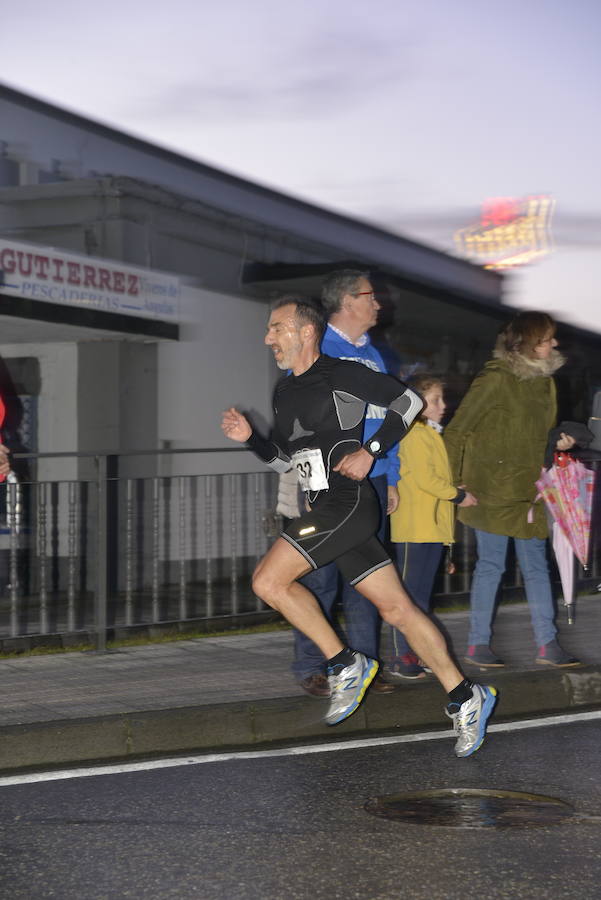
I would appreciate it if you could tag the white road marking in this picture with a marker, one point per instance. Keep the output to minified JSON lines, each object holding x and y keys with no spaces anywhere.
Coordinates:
{"x":359,"y":744}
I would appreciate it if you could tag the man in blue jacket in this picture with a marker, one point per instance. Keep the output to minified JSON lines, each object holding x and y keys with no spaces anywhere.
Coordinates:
{"x":349,"y":302}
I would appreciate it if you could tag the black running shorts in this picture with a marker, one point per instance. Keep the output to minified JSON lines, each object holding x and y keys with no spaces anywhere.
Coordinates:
{"x":341,"y":528}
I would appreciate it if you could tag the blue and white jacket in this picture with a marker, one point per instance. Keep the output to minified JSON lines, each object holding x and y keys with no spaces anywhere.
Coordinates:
{"x":334,"y":344}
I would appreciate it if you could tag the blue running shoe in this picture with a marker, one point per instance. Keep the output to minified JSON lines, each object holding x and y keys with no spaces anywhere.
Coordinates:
{"x":348,"y":686}
{"x":469,"y":719}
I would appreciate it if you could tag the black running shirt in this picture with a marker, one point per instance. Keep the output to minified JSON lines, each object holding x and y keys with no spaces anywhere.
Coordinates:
{"x":325,"y":407}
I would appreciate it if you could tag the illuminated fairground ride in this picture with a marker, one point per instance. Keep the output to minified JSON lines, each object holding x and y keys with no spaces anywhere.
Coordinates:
{"x":511,"y":232}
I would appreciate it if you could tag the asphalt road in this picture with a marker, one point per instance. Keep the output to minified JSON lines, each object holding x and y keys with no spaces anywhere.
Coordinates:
{"x":285,"y":827}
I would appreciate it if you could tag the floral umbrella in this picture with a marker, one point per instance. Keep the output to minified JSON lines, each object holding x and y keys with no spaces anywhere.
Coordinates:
{"x":567,"y":489}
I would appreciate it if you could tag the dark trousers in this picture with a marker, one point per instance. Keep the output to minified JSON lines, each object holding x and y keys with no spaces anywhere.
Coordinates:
{"x":417,"y":565}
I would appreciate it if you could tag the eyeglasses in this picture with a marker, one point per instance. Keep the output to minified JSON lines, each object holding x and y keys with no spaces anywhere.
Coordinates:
{"x":364,"y":293}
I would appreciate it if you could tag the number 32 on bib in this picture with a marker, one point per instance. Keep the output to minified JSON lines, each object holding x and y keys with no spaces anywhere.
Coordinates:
{"x":310,"y":470}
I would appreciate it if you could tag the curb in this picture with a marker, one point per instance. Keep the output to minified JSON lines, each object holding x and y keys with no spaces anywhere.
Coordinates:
{"x":263,"y":723}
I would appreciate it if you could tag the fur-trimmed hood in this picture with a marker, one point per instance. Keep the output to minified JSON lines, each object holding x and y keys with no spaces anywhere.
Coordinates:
{"x":525,"y":368}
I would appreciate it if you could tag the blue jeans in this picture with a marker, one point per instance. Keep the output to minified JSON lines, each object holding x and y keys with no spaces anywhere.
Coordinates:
{"x":362,"y":620}
{"x":417,"y":565}
{"x":532,"y":559}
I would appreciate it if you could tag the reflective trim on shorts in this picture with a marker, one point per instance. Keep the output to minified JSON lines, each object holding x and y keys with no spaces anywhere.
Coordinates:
{"x":300,"y":549}
{"x":371,"y":570}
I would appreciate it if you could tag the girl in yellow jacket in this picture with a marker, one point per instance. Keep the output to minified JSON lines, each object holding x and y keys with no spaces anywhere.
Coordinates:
{"x":424,"y":520}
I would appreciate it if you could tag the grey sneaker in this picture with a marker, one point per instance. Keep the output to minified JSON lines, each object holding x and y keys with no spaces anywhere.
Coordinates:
{"x":482,"y":655}
{"x":348,"y":686}
{"x":552,"y":654}
{"x":469,"y":719}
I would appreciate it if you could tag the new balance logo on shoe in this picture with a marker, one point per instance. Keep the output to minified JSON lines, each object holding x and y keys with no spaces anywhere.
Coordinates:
{"x":471,"y":718}
{"x":348,"y":687}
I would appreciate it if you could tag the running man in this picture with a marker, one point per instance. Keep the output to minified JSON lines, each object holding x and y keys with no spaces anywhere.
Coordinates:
{"x":319,"y":411}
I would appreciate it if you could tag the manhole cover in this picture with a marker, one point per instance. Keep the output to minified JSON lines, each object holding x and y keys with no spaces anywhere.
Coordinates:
{"x":467,"y":808}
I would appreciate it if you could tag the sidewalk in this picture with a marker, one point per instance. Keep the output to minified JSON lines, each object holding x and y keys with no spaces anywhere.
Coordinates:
{"x":237,"y":692}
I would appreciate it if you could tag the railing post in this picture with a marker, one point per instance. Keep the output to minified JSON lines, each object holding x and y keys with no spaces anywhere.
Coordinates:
{"x":72,"y":510}
{"x":156,"y":544}
{"x":129,"y":549}
{"x":208,"y":498}
{"x":42,"y":555}
{"x":234,"y":483}
{"x":13,"y":516}
{"x":100,"y":599}
{"x":183,"y":606}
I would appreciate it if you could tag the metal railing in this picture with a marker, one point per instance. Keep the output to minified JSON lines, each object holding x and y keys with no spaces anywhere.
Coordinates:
{"x":108,"y":552}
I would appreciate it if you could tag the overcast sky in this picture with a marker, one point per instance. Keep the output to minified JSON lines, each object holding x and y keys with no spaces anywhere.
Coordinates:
{"x":406,"y":113}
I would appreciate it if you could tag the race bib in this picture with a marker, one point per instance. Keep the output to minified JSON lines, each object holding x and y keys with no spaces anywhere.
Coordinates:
{"x":310,"y":470}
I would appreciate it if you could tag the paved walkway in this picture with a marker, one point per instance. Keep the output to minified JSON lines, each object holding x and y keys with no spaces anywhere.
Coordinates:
{"x":238,"y":691}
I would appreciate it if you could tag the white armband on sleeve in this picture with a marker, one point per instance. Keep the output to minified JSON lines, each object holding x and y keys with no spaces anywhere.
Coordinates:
{"x":408,"y":406}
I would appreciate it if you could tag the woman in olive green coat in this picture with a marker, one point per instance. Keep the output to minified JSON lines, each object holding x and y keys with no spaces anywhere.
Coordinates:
{"x":496,"y":444}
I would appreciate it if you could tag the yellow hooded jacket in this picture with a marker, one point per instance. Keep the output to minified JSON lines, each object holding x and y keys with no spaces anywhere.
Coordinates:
{"x":425,"y":513}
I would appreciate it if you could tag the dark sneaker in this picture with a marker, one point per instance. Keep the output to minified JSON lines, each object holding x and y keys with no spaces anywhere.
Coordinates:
{"x":379,"y":686}
{"x":348,"y":685}
{"x":482,"y":655}
{"x":552,"y":654}
{"x":316,"y":685}
{"x":469,"y":719}
{"x":406,"y":666}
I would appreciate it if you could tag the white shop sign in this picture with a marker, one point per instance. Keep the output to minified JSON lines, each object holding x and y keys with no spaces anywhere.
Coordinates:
{"x":69,"y":279}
